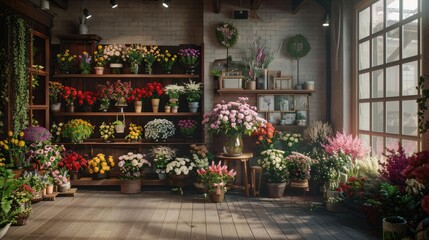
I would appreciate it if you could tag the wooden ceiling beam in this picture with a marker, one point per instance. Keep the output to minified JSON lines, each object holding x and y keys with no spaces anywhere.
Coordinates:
{"x":297,"y":5}
{"x":64,"y":4}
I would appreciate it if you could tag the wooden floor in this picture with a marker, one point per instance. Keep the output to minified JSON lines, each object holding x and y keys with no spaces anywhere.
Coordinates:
{"x":160,"y":214}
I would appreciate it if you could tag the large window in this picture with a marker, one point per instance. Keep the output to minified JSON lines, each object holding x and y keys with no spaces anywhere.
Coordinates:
{"x":388,"y":67}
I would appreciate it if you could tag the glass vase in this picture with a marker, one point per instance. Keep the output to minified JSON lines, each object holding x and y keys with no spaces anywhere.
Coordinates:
{"x":134,"y":67}
{"x":233,"y":145}
{"x":148,"y":68}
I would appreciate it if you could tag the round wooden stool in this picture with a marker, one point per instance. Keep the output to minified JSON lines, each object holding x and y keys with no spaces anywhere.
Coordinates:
{"x":243,"y":159}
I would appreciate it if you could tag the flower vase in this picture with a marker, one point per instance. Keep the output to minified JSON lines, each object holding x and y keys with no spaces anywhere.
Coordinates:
{"x":99,"y":70}
{"x":70,"y":108}
{"x":174,"y":109}
{"x":55,"y":107}
{"x":138,"y":106}
{"x":104,"y":104}
{"x":190,"y":69}
{"x":193,"y":106}
{"x":131,"y":186}
{"x":167,"y":68}
{"x":115,"y":68}
{"x":162,"y":176}
{"x":155,"y":104}
{"x":233,"y":145}
{"x":167,"y":109}
{"x":148,"y":68}
{"x":49,"y":189}
{"x":275,"y":190}
{"x":217,"y":195}
{"x":134,"y":67}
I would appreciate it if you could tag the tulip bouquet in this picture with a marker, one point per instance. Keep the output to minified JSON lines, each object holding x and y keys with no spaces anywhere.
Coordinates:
{"x":216,"y":176}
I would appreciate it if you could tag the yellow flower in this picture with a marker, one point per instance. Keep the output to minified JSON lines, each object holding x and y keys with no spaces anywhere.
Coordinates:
{"x":95,"y":52}
{"x":21,"y":143}
{"x":84,"y":53}
{"x":91,"y":171}
{"x":112,"y":164}
{"x":96,"y":169}
{"x":101,"y":171}
{"x":107,"y":168}
{"x":58,"y":55}
{"x":101,"y":58}
{"x":103,"y":164}
{"x":6,"y":147}
{"x":62,"y":59}
{"x":21,"y":134}
{"x":100,"y":47}
{"x":10,"y":133}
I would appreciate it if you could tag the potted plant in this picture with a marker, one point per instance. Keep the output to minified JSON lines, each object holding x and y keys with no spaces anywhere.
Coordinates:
{"x":121,"y":91}
{"x":137,"y":96}
{"x":174,"y":91}
{"x":274,"y":167}
{"x":100,"y":60}
{"x":215,"y":179}
{"x":36,"y":134}
{"x":107,"y":131}
{"x":35,"y":181}
{"x":100,"y":166}
{"x":65,"y":61}
{"x":8,"y":184}
{"x":300,"y":119}
{"x":74,"y":163}
{"x":119,"y":124}
{"x":47,"y":155}
{"x":193,"y":95}
{"x":133,"y":54}
{"x":167,"y":61}
{"x":188,"y":57}
{"x":201,"y":157}
{"x":178,"y":171}
{"x":187,"y":127}
{"x":85,"y":63}
{"x":266,"y":137}
{"x":48,"y":180}
{"x":114,"y":53}
{"x":56,"y":131}
{"x":86,"y":100}
{"x":150,"y":54}
{"x":69,"y":94}
{"x":55,"y":88}
{"x":104,"y":95}
{"x":77,"y":130}
{"x":154,"y":90}
{"x":159,"y":129}
{"x":131,"y":166}
{"x":13,"y":149}
{"x":298,"y":166}
{"x":162,"y":155}
{"x":135,"y":132}
{"x":21,"y":203}
{"x":61,"y":179}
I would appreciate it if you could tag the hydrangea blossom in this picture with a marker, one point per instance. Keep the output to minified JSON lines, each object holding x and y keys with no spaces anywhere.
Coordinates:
{"x":274,"y":165}
{"x":159,"y":129}
{"x":180,"y":166}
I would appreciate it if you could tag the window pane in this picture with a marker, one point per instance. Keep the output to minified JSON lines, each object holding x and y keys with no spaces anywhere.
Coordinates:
{"x":392,"y":117}
{"x":392,"y":12}
{"x":365,"y":139}
{"x":410,"y":77}
{"x":377,"y":50}
{"x":409,"y":117}
{"x":364,"y":23}
{"x":392,"y":45}
{"x":410,"y":8}
{"x":364,"y":116}
{"x":392,"y":143}
{"x":377,"y":117}
{"x":377,"y":16}
{"x":377,"y":84}
{"x":410,"y":39}
{"x":377,"y":146}
{"x":410,"y":147}
{"x":392,"y":81}
{"x":364,"y":86}
{"x":364,"y":55}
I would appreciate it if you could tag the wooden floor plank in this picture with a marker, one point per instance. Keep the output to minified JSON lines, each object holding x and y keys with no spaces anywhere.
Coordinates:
{"x":213,"y":229}
{"x":255,"y":224}
{"x":226,"y":222}
{"x":241,"y":225}
{"x":184,"y":223}
{"x":154,"y":226}
{"x":168,"y":230}
{"x":199,"y":231}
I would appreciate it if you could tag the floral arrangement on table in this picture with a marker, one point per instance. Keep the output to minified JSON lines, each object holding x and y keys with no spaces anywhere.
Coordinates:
{"x":166,"y":60}
{"x":134,"y":55}
{"x":107,"y":131}
{"x":298,"y":166}
{"x":69,"y":94}
{"x":121,"y":91}
{"x":56,"y":131}
{"x":86,"y":99}
{"x":114,"y":52}
{"x":135,"y":132}
{"x":193,"y":91}
{"x":48,"y":155}
{"x":138,"y":94}
{"x":216,"y":176}
{"x":180,"y":166}
{"x":188,"y":56}
{"x":13,"y":149}
{"x":60,"y":176}
{"x":154,"y":90}
{"x":100,"y":58}
{"x":290,"y":142}
{"x":100,"y":165}
{"x":201,"y":156}
{"x":150,"y":54}
{"x":85,"y":62}
{"x":266,"y":136}
{"x":226,"y":34}
{"x":162,"y":155}
{"x":77,"y":130}
{"x":187,"y":127}
{"x":274,"y":165}
{"x":174,"y":91}
{"x":55,"y":88}
{"x":36,"y":134}
{"x":65,"y":61}
{"x":132,"y":165}
{"x":159,"y":129}
{"x":73,"y":162}
{"x":233,"y":118}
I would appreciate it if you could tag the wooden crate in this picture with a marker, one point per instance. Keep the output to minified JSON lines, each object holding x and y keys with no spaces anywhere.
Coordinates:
{"x":70,"y":193}
{"x":50,"y":197}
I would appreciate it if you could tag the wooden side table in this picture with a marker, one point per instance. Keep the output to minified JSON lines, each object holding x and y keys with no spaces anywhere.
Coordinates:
{"x":244,"y":159}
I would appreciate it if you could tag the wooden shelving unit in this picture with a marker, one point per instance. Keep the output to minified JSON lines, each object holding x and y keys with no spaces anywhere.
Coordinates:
{"x":265,"y":91}
{"x":156,"y":76}
{"x":114,"y":181}
{"x":107,"y":114}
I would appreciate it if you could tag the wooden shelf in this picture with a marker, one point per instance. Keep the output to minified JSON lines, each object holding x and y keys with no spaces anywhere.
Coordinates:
{"x":39,"y":107}
{"x":126,"y":76}
{"x":38,"y":72}
{"x":96,"y":114}
{"x":177,"y":141}
{"x":265,"y":91}
{"x":88,"y":181}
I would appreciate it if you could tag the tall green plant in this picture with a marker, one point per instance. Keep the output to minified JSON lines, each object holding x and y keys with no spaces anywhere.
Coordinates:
{"x":7,"y":185}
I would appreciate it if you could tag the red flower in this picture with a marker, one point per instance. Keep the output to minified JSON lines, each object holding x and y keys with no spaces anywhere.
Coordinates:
{"x":154,"y":90}
{"x":73,"y":161}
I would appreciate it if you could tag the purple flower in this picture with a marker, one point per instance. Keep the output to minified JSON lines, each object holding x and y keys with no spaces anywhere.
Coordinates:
{"x":36,"y":134}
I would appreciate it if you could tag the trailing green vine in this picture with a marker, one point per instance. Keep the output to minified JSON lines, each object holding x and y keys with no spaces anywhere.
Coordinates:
{"x":421,"y":102}
{"x":4,"y":82}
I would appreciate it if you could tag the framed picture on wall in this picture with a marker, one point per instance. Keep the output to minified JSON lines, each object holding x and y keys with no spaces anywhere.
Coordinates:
{"x":301,"y":102}
{"x":271,"y":75}
{"x":265,"y":103}
{"x":283,"y":103}
{"x":274,"y":118}
{"x":284,"y":82}
{"x":288,"y":118}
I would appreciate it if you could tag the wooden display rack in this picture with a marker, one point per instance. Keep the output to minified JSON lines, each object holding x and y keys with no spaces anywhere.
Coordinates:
{"x":50,"y":197}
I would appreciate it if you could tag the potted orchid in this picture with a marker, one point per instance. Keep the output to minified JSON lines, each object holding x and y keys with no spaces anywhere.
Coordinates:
{"x":162,"y":155}
{"x":215,"y":179}
{"x":114,"y":53}
{"x":174,"y":91}
{"x":131,"y":166}
{"x":193,"y":95}
{"x":159,"y":129}
{"x":233,"y":119}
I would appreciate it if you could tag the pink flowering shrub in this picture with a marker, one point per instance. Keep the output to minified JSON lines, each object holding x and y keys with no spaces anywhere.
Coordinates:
{"x":233,"y":118}
{"x":346,"y":144}
{"x":216,"y":175}
{"x":391,"y":169}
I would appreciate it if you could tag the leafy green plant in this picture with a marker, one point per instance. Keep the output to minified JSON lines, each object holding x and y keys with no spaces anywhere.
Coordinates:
{"x":421,"y":102}
{"x":8,"y":184}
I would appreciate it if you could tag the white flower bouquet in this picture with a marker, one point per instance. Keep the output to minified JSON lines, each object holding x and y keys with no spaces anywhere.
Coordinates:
{"x":161,"y":156}
{"x":132,"y":165}
{"x":274,"y":164}
{"x":180,"y":166}
{"x":159,"y":129}
{"x":193,"y":91}
{"x":114,"y":52}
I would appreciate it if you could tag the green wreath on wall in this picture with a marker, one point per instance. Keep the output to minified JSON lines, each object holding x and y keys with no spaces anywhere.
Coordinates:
{"x":298,"y":46}
{"x":226,"y":34}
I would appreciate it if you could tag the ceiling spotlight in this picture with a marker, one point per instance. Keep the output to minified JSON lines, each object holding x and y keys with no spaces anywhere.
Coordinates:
{"x":44,"y":4}
{"x":86,"y":13}
{"x":114,"y":3}
{"x":326,"y":21}
{"x":166,"y":3}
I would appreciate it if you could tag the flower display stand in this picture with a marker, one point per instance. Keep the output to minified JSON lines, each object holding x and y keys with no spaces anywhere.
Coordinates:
{"x":50,"y":197}
{"x":69,"y":193}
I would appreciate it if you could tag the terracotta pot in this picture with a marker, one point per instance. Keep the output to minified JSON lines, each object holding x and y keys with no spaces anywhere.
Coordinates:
{"x":99,"y":70}
{"x":276,"y":190}
{"x":131,"y":186}
{"x":155,"y":104}
{"x":217,"y":195}
{"x":138,"y":106}
{"x":49,"y":189}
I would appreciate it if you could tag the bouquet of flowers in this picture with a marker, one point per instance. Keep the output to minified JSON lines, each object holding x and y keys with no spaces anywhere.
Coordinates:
{"x":174,"y":91}
{"x":266,"y":136}
{"x":55,"y":88}
{"x":100,"y":165}
{"x":86,"y":98}
{"x":133,"y":54}
{"x":104,"y":93}
{"x":34,"y":180}
{"x":159,"y":129}
{"x":180,"y":166}
{"x":14,"y":148}
{"x":162,"y":155}
{"x":69,"y":95}
{"x":100,"y":58}
{"x":226,"y":34}
{"x":166,"y":60}
{"x":56,"y":131}
{"x":65,"y":61}
{"x":77,"y":130}
{"x":216,"y":176}
{"x":188,"y":56}
{"x":132,"y":165}
{"x":107,"y":131}
{"x":193,"y":91}
{"x":150,"y":54}
{"x":60,"y":176}
{"x":201,"y":156}
{"x":137,"y":95}
{"x":36,"y":135}
{"x":233,"y":118}
{"x":85,"y":63}
{"x":48,"y":155}
{"x":135,"y":132}
{"x":291,"y":142}
{"x":154,"y":90}
{"x":274,"y":164}
{"x":114,"y":52}
{"x":298,"y":166}
{"x":121,"y":90}
{"x":73,"y":162}
{"x":187,"y":127}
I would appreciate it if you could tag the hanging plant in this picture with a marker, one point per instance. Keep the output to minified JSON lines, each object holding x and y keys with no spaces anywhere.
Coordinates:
{"x":226,"y":34}
{"x":421,"y":102}
{"x":298,"y":46}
